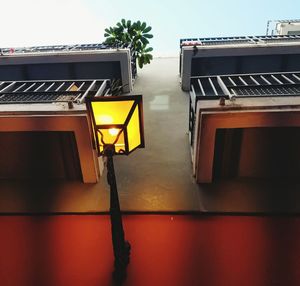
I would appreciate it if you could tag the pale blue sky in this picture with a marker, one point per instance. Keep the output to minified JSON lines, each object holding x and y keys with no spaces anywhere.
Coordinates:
{"x":38,"y":22}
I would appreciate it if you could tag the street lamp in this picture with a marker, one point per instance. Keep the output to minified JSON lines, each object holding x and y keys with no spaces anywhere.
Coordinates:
{"x":117,"y":123}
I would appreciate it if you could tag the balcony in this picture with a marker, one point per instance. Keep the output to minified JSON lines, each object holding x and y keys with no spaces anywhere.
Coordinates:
{"x":237,"y":55}
{"x":86,"y":61}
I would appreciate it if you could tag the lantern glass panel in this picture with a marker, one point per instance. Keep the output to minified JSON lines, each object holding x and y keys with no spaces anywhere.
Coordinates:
{"x":133,"y":130}
{"x":111,"y":112}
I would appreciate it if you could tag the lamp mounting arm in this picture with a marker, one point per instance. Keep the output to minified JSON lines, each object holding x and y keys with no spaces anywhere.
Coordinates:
{"x":121,"y":247}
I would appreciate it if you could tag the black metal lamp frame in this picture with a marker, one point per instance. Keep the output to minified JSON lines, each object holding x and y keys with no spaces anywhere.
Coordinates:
{"x":138,"y":103}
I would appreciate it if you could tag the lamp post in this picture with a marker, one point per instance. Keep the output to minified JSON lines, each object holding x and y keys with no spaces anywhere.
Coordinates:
{"x":117,"y":123}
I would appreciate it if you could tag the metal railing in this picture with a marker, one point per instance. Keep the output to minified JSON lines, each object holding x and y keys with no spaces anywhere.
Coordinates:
{"x":53,"y":48}
{"x":237,"y":40}
{"x":50,"y":91}
{"x":281,"y":84}
{"x":246,"y":85}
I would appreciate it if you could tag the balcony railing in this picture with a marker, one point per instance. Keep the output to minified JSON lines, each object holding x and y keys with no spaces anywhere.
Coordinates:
{"x":47,"y":91}
{"x":237,"y":40}
{"x":241,"y":86}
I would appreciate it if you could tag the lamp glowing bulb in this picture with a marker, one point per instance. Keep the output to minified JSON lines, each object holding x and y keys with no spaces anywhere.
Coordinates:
{"x":113,"y":131}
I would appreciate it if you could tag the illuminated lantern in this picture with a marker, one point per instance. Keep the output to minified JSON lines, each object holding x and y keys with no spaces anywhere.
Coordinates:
{"x":118,"y":122}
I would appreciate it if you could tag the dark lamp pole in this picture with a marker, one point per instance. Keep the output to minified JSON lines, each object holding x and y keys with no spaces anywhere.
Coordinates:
{"x":121,"y":247}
